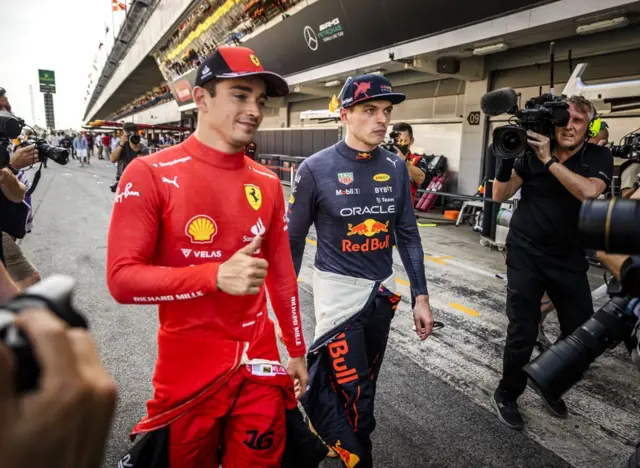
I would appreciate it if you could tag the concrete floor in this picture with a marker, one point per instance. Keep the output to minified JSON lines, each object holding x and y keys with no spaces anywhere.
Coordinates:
{"x":433,"y":401}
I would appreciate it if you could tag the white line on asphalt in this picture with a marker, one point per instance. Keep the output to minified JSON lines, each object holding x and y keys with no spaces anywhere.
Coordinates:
{"x":479,"y":271}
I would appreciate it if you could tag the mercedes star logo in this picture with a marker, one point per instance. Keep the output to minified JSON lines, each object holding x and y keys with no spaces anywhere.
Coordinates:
{"x":310,"y":38}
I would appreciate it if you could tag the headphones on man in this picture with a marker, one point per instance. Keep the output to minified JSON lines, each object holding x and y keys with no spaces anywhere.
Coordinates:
{"x":595,"y":126}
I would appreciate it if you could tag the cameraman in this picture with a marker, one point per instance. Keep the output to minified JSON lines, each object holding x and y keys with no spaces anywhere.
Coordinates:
{"x":544,"y":252}
{"x":416,"y":165}
{"x":129,"y":147}
{"x":20,"y":268}
{"x":10,"y":186}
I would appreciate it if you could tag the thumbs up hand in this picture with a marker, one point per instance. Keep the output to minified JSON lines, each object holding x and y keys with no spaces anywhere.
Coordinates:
{"x":243,"y":274}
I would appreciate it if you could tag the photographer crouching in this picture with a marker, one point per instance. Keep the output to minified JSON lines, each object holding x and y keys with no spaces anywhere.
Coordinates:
{"x":129,"y":147}
{"x":557,"y":173}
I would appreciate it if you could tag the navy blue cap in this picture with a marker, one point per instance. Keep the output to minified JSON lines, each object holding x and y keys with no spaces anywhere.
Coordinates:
{"x":367,"y":88}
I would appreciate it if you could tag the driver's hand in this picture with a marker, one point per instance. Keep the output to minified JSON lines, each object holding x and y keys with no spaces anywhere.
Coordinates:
{"x":297,"y":370}
{"x":243,"y":274}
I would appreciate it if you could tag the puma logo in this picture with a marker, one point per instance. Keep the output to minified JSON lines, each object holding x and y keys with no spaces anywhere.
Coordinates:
{"x":392,"y":161}
{"x":170,"y":181}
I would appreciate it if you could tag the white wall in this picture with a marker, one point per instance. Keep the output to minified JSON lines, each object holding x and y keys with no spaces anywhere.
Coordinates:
{"x":439,"y":138}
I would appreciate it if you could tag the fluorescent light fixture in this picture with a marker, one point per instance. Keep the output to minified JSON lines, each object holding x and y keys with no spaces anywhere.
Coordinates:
{"x":615,"y":23}
{"x":378,"y":72}
{"x":330,"y":84}
{"x":490,"y":49}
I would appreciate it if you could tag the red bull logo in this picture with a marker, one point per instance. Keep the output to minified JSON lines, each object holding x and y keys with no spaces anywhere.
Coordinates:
{"x":361,"y":88}
{"x":350,"y":460}
{"x":367,"y":228}
{"x":338,"y":350}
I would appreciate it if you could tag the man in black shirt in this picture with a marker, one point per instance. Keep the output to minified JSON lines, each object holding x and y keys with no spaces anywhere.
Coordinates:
{"x":544,"y":248}
{"x":129,"y":148}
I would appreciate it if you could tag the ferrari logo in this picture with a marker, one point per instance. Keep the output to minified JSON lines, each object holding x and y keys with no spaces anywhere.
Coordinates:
{"x":255,"y":60}
{"x":254,"y":196}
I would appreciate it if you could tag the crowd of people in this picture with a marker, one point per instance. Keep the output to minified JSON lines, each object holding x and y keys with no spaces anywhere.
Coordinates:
{"x":213,"y":22}
{"x":158,"y":95}
{"x":83,"y":145}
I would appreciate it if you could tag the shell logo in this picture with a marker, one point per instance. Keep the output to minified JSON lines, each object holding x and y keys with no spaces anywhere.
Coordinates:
{"x":291,"y":199}
{"x":201,"y":229}
{"x":381,"y":177}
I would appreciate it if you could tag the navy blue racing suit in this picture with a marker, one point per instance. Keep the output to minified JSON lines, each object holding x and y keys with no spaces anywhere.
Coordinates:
{"x":361,"y":206}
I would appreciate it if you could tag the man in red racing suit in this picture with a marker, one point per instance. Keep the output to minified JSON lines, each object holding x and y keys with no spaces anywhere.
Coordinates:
{"x":195,"y":228}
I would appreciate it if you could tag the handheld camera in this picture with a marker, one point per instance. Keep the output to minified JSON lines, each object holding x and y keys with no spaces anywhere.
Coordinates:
{"x":394,"y":142}
{"x":53,"y":293}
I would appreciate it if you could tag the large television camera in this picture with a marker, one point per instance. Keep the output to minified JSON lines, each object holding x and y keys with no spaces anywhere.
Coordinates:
{"x":612,"y":226}
{"x":541,"y":114}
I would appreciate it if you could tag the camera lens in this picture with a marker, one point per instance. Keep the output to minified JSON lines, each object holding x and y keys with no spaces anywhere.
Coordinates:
{"x":509,"y":142}
{"x":561,"y":366}
{"x":611,"y":225}
{"x":55,"y":153}
{"x":135,"y":139}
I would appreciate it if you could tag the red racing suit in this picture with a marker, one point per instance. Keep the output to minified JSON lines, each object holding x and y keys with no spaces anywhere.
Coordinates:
{"x":178,"y":214}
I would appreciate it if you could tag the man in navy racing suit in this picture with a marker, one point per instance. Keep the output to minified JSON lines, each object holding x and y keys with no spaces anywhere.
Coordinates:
{"x":358,"y":196}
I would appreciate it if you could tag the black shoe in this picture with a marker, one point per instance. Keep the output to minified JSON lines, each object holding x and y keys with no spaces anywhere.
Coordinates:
{"x":556,"y":408}
{"x":507,"y":411}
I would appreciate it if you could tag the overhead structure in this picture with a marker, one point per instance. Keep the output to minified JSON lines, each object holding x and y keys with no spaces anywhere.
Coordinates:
{"x":622,"y":95}
{"x":113,"y":125}
{"x":136,"y":17}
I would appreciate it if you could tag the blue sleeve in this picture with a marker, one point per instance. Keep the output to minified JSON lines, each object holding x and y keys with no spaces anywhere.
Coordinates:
{"x":408,"y":240}
{"x":301,"y":213}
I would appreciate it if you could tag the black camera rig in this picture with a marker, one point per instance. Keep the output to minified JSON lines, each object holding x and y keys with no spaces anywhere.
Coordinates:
{"x":629,"y":149}
{"x":394,"y":143}
{"x":541,"y":114}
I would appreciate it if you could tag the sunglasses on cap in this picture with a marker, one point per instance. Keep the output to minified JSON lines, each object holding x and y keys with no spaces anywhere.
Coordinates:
{"x":2,"y":92}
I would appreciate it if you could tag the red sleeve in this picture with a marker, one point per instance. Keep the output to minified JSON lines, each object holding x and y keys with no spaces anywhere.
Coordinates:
{"x":133,"y":236}
{"x":281,"y":280}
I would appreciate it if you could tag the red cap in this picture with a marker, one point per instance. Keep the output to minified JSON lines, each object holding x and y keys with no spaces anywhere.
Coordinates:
{"x":236,"y":62}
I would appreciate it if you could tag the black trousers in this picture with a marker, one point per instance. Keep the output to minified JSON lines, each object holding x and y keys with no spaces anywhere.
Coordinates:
{"x":528,"y":277}
{"x":342,"y":381}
